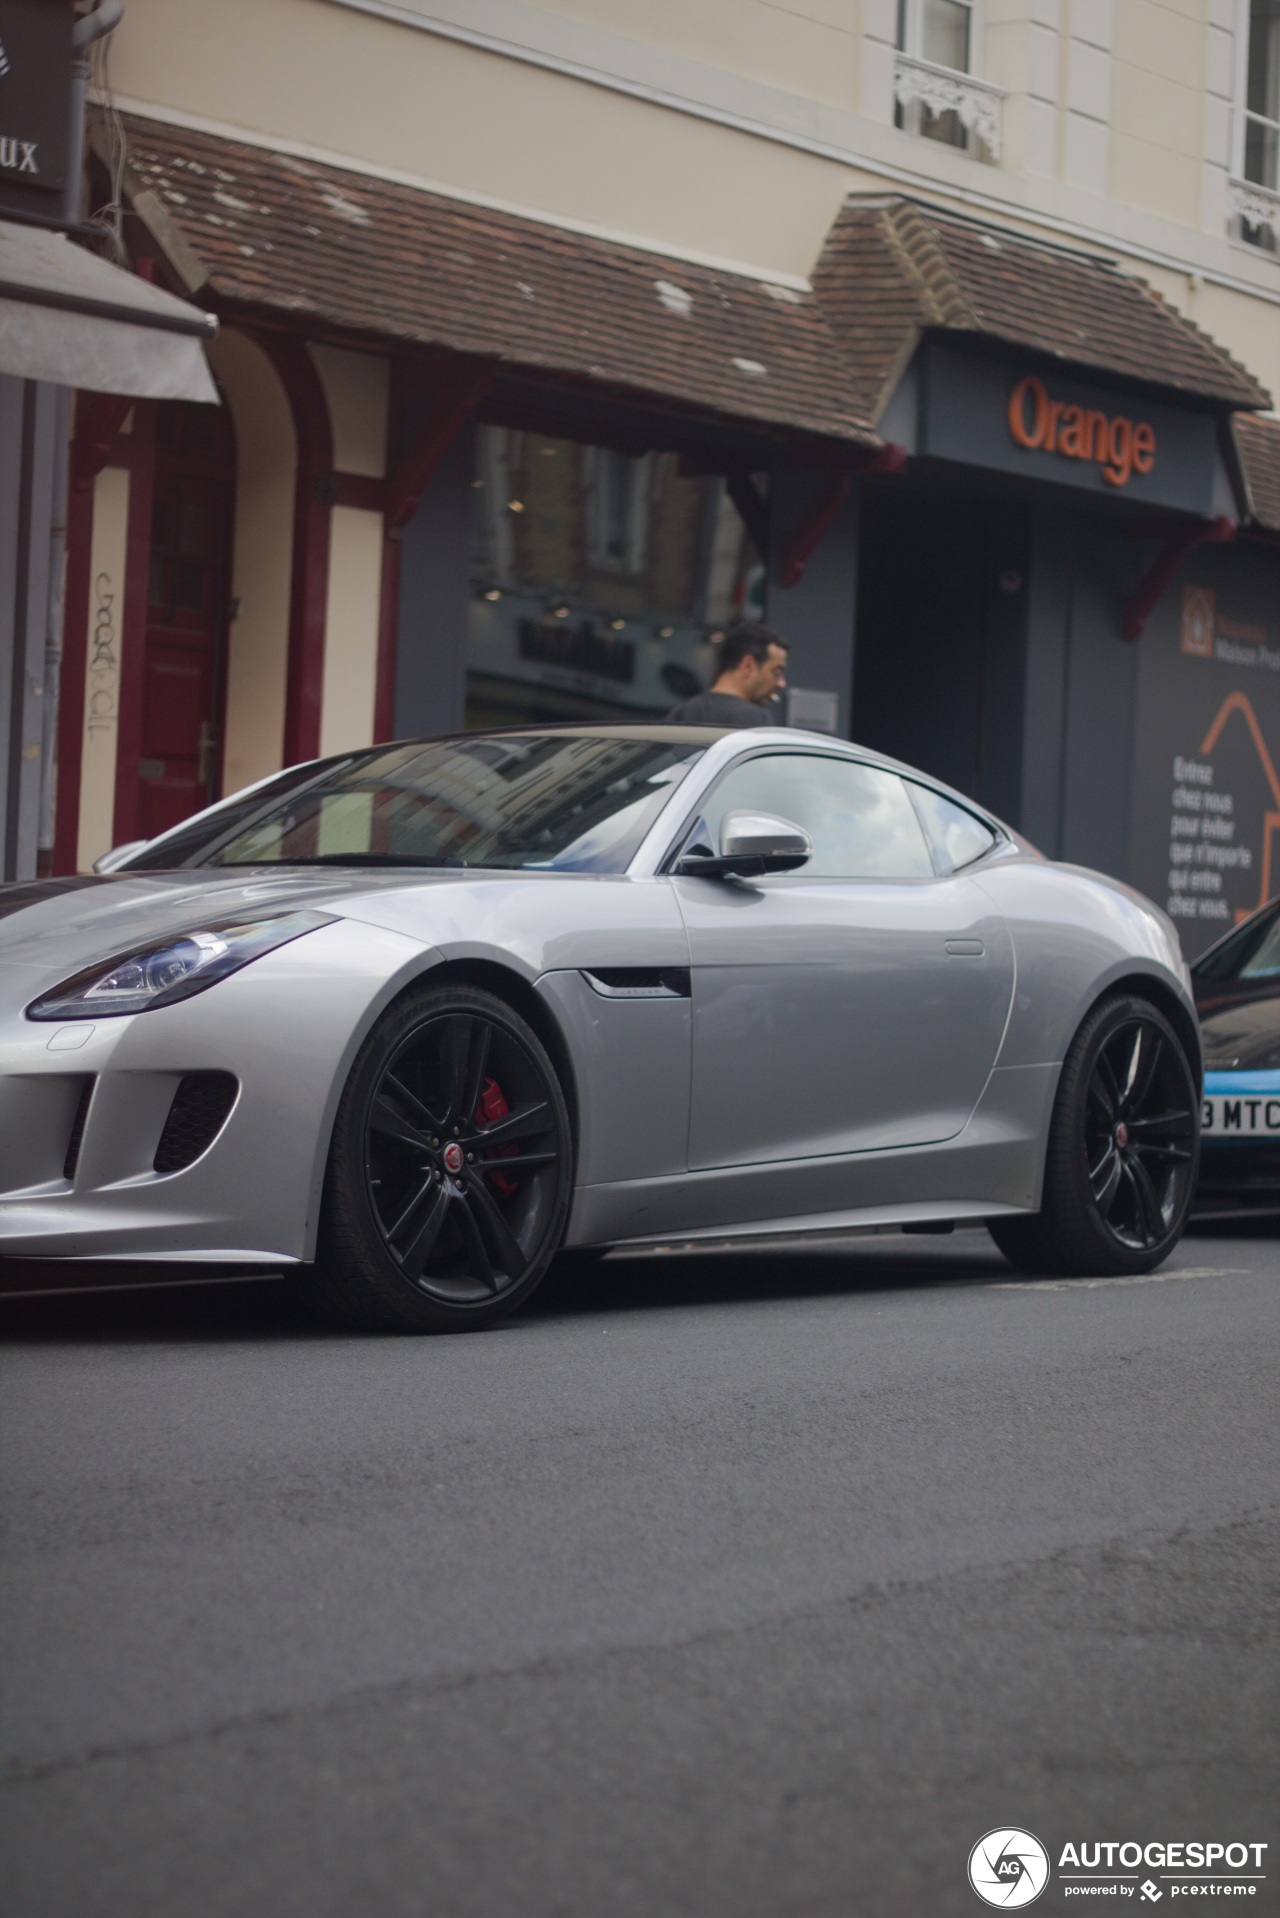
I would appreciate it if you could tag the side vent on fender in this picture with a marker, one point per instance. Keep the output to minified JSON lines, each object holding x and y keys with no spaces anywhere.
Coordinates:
{"x":196,"y":1117}
{"x":639,"y":982}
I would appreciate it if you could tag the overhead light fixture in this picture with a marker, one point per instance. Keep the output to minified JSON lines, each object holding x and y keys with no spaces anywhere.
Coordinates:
{"x":561,"y":612}
{"x":665,"y":632}
{"x":493,"y":593}
{"x":515,"y":506}
{"x":618,"y":625}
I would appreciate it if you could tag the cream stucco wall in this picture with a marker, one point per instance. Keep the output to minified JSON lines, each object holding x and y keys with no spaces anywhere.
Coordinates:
{"x":258,"y":646}
{"x":103,"y":660}
{"x":350,"y":679}
{"x":338,"y":80}
{"x":356,"y":386}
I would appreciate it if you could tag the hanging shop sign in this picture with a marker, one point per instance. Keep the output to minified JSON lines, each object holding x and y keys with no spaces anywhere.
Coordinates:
{"x":1070,"y":432}
{"x":35,"y":103}
{"x":1206,"y":806}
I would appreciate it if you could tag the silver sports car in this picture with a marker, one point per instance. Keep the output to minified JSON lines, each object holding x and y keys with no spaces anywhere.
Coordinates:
{"x":411,"y":1019}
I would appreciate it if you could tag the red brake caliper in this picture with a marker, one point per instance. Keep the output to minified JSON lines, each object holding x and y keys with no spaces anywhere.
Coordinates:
{"x":492,"y":1107}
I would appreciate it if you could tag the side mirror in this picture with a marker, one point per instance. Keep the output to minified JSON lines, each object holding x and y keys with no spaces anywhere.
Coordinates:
{"x":751,"y":844}
{"x":118,"y":854}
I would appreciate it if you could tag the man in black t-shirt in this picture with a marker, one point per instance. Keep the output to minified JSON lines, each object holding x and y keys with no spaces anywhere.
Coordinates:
{"x":752,"y":674}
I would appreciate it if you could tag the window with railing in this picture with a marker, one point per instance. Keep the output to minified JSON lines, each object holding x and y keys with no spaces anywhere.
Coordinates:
{"x":936,"y":93}
{"x":1254,"y":192}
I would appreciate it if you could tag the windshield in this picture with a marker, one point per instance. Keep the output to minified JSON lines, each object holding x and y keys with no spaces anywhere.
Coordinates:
{"x":1251,"y":952}
{"x":542,"y":802}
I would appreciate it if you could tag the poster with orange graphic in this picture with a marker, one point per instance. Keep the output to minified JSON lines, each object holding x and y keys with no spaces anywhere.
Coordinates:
{"x":1206,"y":806}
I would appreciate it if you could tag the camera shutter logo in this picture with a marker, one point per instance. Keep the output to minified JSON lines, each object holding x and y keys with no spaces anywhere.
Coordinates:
{"x":1008,"y":1868}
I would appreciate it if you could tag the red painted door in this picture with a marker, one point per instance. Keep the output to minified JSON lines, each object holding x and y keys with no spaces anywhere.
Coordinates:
{"x":186,"y":621}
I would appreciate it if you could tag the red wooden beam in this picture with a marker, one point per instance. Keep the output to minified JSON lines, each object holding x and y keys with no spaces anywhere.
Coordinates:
{"x":421,"y":459}
{"x":99,"y":417}
{"x":809,"y":534}
{"x":1143,"y":602}
{"x":753,"y":509}
{"x":309,"y":586}
{"x":415,"y":469}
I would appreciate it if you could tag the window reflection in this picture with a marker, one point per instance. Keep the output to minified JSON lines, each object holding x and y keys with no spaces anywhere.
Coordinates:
{"x":598,"y":579}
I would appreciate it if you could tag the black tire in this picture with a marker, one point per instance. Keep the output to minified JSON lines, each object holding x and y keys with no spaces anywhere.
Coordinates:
{"x":450,"y":1170}
{"x":1124,"y":1147}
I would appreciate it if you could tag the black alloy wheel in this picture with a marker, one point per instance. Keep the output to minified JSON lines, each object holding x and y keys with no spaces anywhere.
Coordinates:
{"x":1140,"y":1131}
{"x":1123,"y":1152}
{"x":449,"y":1173}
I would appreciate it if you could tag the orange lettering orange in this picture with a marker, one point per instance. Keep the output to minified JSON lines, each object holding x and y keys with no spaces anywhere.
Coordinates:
{"x":1119,"y":446}
{"x":1073,"y":440}
{"x":1120,"y":453}
{"x":1029,"y":389}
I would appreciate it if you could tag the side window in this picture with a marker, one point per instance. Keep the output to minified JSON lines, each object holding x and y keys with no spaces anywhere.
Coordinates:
{"x":957,"y":838}
{"x":860,"y":820}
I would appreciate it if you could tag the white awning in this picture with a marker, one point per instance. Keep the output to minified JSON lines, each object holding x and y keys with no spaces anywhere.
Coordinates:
{"x":71,"y":318}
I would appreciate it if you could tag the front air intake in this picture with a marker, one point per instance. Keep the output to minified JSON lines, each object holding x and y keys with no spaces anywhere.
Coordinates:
{"x":196,"y":1117}
{"x":72,"y":1159}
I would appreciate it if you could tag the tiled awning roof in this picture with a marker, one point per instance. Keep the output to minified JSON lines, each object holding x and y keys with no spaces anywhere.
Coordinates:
{"x":264,"y":234}
{"x":893,"y":269}
{"x":254,"y":229}
{"x":1259,"y":445}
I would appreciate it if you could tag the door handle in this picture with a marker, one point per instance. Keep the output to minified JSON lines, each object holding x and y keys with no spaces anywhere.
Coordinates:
{"x":965,"y":948}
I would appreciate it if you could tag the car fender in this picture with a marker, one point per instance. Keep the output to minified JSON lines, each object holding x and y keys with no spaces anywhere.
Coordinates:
{"x":1076,"y":935}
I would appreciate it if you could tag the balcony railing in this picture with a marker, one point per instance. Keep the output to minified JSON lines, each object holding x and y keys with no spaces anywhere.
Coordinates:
{"x":1256,"y":206}
{"x":977,"y":105}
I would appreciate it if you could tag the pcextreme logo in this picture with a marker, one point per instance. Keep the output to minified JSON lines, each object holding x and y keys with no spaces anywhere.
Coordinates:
{"x":1008,"y":1868}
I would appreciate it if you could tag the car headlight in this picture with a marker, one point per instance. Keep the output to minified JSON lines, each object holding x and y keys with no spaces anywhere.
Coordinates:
{"x":169,"y":969}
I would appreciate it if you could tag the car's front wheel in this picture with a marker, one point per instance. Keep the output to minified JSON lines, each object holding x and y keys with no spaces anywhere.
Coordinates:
{"x":1123,"y":1150}
{"x":449,"y":1171}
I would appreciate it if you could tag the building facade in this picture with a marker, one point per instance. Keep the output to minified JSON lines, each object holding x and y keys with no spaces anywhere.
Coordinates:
{"x":944,"y":333}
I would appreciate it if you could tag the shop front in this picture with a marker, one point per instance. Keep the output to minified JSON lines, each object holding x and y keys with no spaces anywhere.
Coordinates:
{"x":1068,"y":606}
{"x":473,"y":470}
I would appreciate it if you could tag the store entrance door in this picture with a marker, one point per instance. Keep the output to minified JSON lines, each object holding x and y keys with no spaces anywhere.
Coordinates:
{"x":187,"y":608}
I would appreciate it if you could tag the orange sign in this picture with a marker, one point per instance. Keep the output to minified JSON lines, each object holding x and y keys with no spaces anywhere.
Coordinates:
{"x":1119,"y":446}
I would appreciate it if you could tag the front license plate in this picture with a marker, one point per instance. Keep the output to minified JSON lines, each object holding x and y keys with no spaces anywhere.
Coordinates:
{"x":1241,"y":1115}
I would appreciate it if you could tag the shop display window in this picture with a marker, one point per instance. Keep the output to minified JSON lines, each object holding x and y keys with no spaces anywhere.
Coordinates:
{"x":600,"y":579}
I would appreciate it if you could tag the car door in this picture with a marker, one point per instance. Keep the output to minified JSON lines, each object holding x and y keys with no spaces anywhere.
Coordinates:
{"x":856,"y":1004}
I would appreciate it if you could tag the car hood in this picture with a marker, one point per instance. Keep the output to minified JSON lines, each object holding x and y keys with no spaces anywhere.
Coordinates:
{"x":55,"y":926}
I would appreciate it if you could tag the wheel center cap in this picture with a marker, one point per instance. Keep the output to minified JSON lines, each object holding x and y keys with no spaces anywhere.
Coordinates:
{"x":1122,"y":1134}
{"x":453,"y":1158}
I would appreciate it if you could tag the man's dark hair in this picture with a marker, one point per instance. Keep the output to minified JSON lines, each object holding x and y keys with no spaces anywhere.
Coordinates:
{"x":749,"y":637}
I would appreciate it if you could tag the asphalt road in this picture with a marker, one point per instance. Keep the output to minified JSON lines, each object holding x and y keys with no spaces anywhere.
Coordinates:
{"x":759,"y":1584}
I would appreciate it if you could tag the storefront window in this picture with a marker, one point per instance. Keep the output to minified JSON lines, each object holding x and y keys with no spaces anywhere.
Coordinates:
{"x":599,"y":580}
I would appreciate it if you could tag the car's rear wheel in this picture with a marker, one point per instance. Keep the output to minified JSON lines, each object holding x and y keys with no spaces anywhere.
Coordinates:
{"x":1123,"y":1148}
{"x":449,"y":1171}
